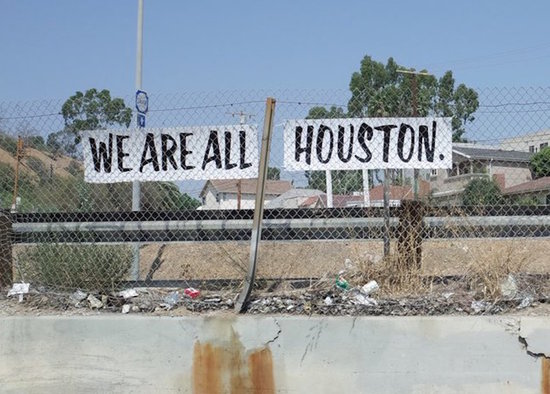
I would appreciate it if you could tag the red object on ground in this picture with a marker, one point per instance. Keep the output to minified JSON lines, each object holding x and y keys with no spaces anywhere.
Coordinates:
{"x":191,"y":292}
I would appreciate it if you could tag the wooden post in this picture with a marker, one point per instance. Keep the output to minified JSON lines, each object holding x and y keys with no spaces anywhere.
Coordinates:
{"x":18,"y":157}
{"x":6,"y":266}
{"x":239,"y":193}
{"x":410,"y":233}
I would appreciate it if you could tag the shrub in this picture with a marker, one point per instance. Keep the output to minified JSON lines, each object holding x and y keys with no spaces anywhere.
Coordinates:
{"x":36,"y":142}
{"x":75,"y":169}
{"x":540,"y":163}
{"x":8,"y":143}
{"x":39,"y":167}
{"x":70,"y":267}
{"x":486,"y":273}
{"x":482,"y":192}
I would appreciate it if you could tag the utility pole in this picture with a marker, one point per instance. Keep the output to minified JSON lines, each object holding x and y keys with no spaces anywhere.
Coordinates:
{"x":136,"y":187}
{"x":140,"y":121}
{"x":18,"y":157}
{"x":414,"y":104}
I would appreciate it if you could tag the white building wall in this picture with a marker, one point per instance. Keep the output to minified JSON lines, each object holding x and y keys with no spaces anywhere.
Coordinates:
{"x":527,"y":143}
{"x":229,"y":200}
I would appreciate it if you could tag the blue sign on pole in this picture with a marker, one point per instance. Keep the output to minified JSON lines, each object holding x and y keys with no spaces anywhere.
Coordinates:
{"x":141,"y":120}
{"x":142,"y":106}
{"x":142,"y":101}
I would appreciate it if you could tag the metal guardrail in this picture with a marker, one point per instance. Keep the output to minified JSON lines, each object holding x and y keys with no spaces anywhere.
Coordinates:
{"x":278,"y":225}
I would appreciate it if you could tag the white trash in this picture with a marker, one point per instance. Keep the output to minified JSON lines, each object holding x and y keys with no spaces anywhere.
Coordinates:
{"x":370,"y":287}
{"x":128,"y":293}
{"x":509,"y":287}
{"x":19,"y":289}
{"x":364,"y":300}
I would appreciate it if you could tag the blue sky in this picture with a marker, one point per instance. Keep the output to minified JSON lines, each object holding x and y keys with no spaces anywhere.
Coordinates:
{"x":50,"y":49}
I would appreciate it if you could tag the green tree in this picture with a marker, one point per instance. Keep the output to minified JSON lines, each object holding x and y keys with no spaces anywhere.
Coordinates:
{"x":481,"y":191}
{"x":540,"y":163}
{"x":94,"y":110}
{"x":88,"y":111}
{"x":273,"y":173}
{"x":380,"y":90}
{"x":165,"y":196}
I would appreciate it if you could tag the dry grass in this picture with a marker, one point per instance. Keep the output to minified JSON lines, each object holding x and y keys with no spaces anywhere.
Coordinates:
{"x":493,"y":266}
{"x":391,"y":275}
{"x":483,"y":263}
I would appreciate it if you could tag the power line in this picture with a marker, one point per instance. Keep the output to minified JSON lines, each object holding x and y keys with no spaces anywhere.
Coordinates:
{"x":29,"y":116}
{"x":206,"y":106}
{"x":496,"y":55}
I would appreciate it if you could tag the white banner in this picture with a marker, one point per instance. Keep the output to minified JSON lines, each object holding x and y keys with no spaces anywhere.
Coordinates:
{"x":363,"y":143}
{"x":170,"y":154}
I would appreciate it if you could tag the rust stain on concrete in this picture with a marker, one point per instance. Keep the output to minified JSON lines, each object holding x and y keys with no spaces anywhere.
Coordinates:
{"x":545,"y":381}
{"x":228,"y":368}
{"x":260,"y":364}
{"x":207,"y":369}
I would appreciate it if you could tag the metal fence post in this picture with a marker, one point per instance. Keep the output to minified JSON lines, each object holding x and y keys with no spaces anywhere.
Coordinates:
{"x":259,"y":205}
{"x":6,"y":266}
{"x":386,"y":213}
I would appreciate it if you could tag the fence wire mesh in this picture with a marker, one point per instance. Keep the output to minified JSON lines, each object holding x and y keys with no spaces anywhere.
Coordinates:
{"x":478,"y":229}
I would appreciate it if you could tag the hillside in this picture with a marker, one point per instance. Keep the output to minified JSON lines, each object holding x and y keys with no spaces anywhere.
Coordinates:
{"x":55,"y":183}
{"x":35,"y":160}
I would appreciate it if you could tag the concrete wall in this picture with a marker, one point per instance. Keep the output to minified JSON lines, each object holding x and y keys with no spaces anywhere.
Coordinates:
{"x":274,"y":354}
{"x":514,"y":173}
{"x":229,"y":200}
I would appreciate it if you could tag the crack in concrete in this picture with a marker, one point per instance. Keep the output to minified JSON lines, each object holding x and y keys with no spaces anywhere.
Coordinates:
{"x":525,"y":345}
{"x":279,"y":331}
{"x":313,"y":339}
{"x":523,"y":341}
{"x":353,"y":324}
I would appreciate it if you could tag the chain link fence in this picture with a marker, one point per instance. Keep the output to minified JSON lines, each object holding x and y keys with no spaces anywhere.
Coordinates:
{"x":478,"y":227}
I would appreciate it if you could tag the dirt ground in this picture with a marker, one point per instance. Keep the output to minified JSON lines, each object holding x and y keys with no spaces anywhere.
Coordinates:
{"x":450,"y":262}
{"x":313,"y":259}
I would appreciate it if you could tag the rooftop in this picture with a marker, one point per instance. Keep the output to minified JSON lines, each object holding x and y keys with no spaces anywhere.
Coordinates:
{"x":492,"y":154}
{"x":248,"y":186}
{"x":531,"y":186}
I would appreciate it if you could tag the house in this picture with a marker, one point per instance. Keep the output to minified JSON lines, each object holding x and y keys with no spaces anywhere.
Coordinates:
{"x":338,"y":201}
{"x":375,"y":198}
{"x":238,"y":193}
{"x":535,"y":191}
{"x":293,"y":198}
{"x":507,"y":167}
{"x":398,"y":193}
{"x":532,"y":142}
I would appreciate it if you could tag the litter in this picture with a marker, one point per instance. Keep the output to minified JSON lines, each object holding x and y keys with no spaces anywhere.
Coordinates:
{"x":370,"y":287}
{"x":527,"y":301}
{"x":19,"y":289}
{"x":191,"y":292}
{"x":479,"y":306}
{"x":128,"y":293}
{"x":94,"y":302}
{"x":342,"y":283}
{"x":362,"y":299}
